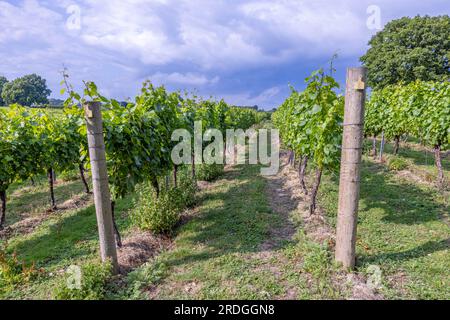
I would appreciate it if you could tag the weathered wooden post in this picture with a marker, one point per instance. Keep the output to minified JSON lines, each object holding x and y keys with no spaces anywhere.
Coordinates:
{"x":350,"y":166}
{"x":102,"y":196}
{"x":382,"y":146}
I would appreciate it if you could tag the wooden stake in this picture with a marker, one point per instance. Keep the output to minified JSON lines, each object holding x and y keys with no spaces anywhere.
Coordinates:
{"x":438,"y":160}
{"x":102,"y":195}
{"x":350,"y":166}
{"x":382,"y":146}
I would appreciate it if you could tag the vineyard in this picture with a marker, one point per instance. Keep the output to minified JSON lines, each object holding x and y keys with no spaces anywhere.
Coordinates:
{"x":419,"y":109}
{"x":139,"y":145}
{"x":310,"y":122}
{"x":181,"y":230}
{"x":214,"y":159}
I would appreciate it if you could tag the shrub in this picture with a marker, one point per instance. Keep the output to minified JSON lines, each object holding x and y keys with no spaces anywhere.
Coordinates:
{"x":209,"y":172}
{"x":397,"y":164}
{"x":158,"y":215}
{"x":185,"y":192}
{"x":161,"y":214}
{"x":69,"y":175}
{"x":93,"y":279}
{"x":13,"y":272}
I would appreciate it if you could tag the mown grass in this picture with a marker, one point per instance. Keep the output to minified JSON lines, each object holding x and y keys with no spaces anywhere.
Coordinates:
{"x":210,"y":249}
{"x":219,"y":253}
{"x":66,"y":237}
{"x":419,"y":158}
{"x":25,"y":200}
{"x":402,"y":228}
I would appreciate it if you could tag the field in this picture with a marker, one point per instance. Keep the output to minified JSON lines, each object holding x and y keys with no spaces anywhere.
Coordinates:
{"x":250,"y":237}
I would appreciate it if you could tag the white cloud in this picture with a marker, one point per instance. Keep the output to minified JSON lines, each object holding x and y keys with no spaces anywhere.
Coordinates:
{"x":187,"y":43}
{"x":28,"y":21}
{"x":192,"y":79}
{"x":312,"y":26}
{"x":217,"y":35}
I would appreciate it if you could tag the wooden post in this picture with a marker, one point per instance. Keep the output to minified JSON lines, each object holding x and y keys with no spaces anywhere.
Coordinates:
{"x":350,"y":166}
{"x":374,"y":147}
{"x":102,"y":196}
{"x":382,"y":146}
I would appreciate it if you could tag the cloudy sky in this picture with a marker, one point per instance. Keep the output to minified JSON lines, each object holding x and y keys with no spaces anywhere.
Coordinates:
{"x":244,"y":51}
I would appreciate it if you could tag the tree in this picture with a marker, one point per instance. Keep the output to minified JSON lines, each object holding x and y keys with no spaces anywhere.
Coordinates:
{"x":28,"y":90}
{"x":3,"y":81}
{"x":410,"y":49}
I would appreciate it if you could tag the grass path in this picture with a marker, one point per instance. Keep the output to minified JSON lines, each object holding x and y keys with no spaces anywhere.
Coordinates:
{"x":219,"y":254}
{"x":239,"y":246}
{"x":249,"y":240}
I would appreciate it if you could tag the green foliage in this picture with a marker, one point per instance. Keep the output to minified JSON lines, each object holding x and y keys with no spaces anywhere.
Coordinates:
{"x":27,"y":90}
{"x":33,"y":141}
{"x":209,"y":172}
{"x":21,"y":145}
{"x":243,"y":118}
{"x":7,"y":163}
{"x":310,"y":122}
{"x":265,"y":124}
{"x":146,"y":275}
{"x":418,"y":108}
{"x":161,"y":214}
{"x":263,"y":116}
{"x":70,"y":175}
{"x":157,"y":214}
{"x":13,"y":272}
{"x":397,"y":163}
{"x":185,"y":196}
{"x":3,"y":81}
{"x":94,"y":279}
{"x":410,"y":49}
{"x":376,"y":113}
{"x":317,"y":260}
{"x":434,"y":121}
{"x":137,"y":136}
